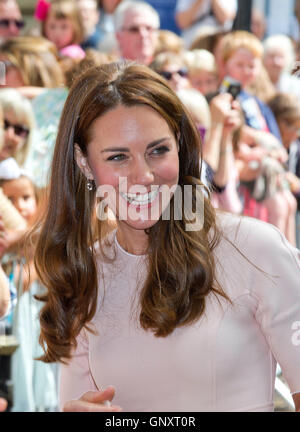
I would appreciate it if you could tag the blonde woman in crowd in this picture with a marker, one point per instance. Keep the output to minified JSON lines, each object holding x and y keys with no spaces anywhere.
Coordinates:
{"x":19,"y":125}
{"x":11,"y":20}
{"x":173,"y":67}
{"x":31,"y":64}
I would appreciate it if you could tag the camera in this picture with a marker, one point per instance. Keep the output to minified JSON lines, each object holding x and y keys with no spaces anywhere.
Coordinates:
{"x":231,"y":86}
{"x":228,"y":85}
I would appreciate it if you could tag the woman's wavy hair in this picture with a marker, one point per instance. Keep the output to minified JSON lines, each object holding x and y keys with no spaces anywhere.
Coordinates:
{"x":181,"y":266}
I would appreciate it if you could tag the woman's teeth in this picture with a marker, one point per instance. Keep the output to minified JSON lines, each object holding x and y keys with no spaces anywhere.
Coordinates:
{"x":137,"y":199}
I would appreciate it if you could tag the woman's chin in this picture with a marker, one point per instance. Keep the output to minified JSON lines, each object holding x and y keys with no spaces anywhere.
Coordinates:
{"x":140,"y":224}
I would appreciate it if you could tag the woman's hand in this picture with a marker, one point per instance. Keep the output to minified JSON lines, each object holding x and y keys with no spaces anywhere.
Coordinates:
{"x":93,"y":402}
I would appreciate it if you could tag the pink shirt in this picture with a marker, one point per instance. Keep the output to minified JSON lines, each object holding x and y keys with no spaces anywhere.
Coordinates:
{"x":73,"y":51}
{"x":224,"y":362}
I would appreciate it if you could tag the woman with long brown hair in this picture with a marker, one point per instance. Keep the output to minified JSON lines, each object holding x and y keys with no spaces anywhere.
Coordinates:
{"x":167,"y":302}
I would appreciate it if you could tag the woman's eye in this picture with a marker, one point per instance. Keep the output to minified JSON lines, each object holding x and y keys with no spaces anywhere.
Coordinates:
{"x":160,"y":150}
{"x":118,"y":157}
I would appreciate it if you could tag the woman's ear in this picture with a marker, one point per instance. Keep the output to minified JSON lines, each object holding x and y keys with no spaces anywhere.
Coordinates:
{"x":82,"y":162}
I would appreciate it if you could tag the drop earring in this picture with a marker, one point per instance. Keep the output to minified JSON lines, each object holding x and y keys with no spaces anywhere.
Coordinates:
{"x":89,"y":185}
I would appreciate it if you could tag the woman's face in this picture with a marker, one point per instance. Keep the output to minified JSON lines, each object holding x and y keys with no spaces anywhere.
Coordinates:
{"x":15,"y":135}
{"x":176,"y":75}
{"x":132,"y":151}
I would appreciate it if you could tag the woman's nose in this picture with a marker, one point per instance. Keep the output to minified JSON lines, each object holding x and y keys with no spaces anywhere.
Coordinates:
{"x":19,"y":205}
{"x":141,"y":173}
{"x":13,"y":29}
{"x":10,"y":133}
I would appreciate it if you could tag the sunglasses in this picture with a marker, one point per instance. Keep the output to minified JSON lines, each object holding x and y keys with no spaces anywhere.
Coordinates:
{"x":5,"y":23}
{"x":168,"y":75}
{"x":19,"y":130}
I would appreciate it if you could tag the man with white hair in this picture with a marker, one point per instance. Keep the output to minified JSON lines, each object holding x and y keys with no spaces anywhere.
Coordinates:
{"x":136,"y":29}
{"x":279,"y":60}
{"x":11,"y":21}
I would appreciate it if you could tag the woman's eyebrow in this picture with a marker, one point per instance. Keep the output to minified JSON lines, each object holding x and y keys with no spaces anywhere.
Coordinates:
{"x":126,"y":149}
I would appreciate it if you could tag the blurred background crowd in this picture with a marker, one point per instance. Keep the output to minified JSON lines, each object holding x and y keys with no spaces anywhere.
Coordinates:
{"x":235,"y":64}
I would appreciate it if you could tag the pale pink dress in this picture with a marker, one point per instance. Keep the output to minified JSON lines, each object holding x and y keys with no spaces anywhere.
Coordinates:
{"x":224,"y":362}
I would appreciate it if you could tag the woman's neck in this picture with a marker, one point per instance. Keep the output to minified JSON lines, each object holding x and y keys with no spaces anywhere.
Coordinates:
{"x":131,"y":240}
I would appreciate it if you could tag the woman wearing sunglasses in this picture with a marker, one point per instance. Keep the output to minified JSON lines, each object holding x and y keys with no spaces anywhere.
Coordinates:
{"x":172,"y":67}
{"x":11,"y":21}
{"x":18,"y":123}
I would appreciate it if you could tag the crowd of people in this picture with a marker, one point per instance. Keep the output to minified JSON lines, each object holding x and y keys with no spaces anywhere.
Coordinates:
{"x":101,"y":64}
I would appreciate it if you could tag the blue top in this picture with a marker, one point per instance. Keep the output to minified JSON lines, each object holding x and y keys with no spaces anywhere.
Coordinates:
{"x":93,"y":40}
{"x":251,"y":115}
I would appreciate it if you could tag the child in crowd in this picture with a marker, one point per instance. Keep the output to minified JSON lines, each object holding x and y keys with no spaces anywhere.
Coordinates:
{"x":242,"y":56}
{"x":62,"y":24}
{"x":34,"y":382}
{"x":202,"y":70}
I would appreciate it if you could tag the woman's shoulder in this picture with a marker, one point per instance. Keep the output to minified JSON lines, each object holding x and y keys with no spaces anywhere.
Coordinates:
{"x":262,"y":243}
{"x":239,"y":229}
